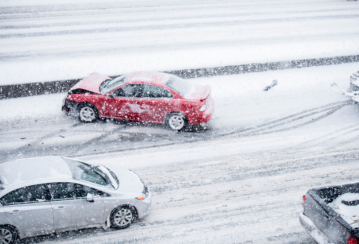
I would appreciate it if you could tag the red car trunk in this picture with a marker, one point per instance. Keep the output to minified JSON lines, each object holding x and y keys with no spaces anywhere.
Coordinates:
{"x":200,"y":92}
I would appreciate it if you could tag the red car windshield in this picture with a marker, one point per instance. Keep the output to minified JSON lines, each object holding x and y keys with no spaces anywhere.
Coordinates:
{"x":109,"y":85}
{"x":184,"y":88}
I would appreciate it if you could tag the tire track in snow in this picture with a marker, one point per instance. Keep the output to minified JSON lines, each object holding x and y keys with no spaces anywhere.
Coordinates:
{"x":158,"y":37}
{"x":134,"y":19}
{"x":227,"y":171}
{"x":350,"y":134}
{"x":32,"y":148}
{"x":5,"y":156}
{"x":263,"y":128}
{"x":166,"y":26}
{"x":121,"y":138}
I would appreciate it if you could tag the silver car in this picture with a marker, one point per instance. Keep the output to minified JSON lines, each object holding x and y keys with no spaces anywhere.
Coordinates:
{"x":52,"y":194}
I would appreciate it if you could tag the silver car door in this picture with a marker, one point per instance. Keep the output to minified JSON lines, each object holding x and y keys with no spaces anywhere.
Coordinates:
{"x":72,"y":210}
{"x":29,"y":208}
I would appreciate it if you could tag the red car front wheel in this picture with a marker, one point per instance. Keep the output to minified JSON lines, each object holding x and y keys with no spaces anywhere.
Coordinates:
{"x":87,"y":113}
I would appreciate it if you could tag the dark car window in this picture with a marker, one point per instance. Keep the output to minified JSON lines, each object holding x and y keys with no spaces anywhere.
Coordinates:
{"x":152,"y":91}
{"x":131,"y":90}
{"x":62,"y":191}
{"x":29,"y":194}
{"x":81,"y":191}
{"x":70,"y":191}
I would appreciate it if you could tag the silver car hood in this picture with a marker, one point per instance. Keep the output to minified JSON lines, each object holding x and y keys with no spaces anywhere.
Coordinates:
{"x":129,"y":181}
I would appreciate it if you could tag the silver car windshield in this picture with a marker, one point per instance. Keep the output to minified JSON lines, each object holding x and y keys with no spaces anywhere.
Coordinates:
{"x":85,"y":172}
{"x":109,"y":85}
{"x":184,"y":88}
{"x":111,"y":176}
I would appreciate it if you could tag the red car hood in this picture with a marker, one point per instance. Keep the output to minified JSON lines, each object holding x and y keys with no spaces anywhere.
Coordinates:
{"x":91,"y":83}
{"x":200,"y":92}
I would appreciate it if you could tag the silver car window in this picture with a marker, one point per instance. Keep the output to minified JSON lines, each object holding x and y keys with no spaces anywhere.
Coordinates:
{"x":29,"y":194}
{"x":70,"y":191}
{"x":62,"y":191}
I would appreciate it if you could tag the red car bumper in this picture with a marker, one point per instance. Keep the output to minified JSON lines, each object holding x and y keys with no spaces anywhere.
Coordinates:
{"x":202,"y":117}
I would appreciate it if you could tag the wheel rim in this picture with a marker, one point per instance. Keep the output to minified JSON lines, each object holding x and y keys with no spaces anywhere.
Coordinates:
{"x":123,"y":217}
{"x":176,"y":122}
{"x":5,"y":236}
{"x":87,"y":114}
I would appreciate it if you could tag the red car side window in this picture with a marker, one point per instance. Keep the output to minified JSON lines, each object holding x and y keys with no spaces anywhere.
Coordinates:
{"x":131,"y":90}
{"x":152,"y":91}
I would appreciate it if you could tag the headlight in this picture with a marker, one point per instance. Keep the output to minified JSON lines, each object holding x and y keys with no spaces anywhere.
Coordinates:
{"x":144,"y":192}
{"x":143,"y":197}
{"x":204,"y":107}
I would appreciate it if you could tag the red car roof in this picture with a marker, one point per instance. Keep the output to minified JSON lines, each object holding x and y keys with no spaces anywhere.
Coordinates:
{"x":154,"y":78}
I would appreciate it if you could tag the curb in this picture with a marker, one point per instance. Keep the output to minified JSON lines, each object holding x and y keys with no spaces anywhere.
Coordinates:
{"x":49,"y":87}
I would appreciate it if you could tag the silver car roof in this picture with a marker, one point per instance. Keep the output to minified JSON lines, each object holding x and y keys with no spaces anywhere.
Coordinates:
{"x":25,"y":171}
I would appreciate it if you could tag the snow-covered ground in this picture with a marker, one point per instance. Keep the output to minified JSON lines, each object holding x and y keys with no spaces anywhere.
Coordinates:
{"x":240,"y":181}
{"x":57,"y":40}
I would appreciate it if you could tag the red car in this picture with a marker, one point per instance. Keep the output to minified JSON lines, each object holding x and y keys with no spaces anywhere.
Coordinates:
{"x":141,"y":96}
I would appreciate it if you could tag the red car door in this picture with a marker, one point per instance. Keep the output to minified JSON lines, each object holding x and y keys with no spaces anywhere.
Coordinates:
{"x":126,"y":103}
{"x":159,"y":101}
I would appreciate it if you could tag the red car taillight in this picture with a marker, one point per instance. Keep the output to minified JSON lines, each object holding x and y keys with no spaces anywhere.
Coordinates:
{"x":303,"y":203}
{"x":352,"y":240}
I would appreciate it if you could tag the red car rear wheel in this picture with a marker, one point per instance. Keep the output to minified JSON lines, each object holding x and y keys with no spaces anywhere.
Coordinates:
{"x":177,"y":121}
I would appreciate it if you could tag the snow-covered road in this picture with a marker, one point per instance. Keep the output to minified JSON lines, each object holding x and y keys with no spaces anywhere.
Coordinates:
{"x":242,"y":179}
{"x":44,"y":41}
{"x":38,"y":127}
{"x":239,"y":182}
{"x":227,"y":191}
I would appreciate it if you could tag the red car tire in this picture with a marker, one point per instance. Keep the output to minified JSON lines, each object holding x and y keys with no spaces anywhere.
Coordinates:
{"x":176,"y":121}
{"x":88,"y":112}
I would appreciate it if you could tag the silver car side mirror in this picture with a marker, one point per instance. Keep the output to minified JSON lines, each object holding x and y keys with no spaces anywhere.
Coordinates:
{"x":89,"y":197}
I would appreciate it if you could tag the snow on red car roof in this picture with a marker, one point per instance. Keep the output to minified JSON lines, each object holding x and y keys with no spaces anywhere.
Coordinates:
{"x":148,"y":77}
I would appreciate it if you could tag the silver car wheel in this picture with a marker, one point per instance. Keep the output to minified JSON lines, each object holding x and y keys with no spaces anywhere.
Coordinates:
{"x":176,"y":121}
{"x":123,"y":217}
{"x":87,"y":114}
{"x":5,"y":236}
